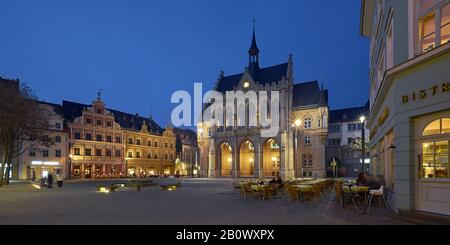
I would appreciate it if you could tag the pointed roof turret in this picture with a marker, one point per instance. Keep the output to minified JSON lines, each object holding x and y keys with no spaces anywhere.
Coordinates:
{"x":254,"y":47}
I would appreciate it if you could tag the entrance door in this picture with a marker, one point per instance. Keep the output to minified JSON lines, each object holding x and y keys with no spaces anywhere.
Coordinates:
{"x":433,"y":175}
{"x":87,"y":172}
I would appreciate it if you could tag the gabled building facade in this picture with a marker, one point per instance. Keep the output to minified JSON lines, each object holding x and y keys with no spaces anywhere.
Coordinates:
{"x":234,"y":151}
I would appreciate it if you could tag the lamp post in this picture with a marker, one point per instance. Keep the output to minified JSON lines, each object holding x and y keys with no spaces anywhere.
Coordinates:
{"x":296,"y":125}
{"x":362,"y":119}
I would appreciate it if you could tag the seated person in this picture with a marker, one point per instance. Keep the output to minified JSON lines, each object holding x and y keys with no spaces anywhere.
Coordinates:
{"x":362,"y":179}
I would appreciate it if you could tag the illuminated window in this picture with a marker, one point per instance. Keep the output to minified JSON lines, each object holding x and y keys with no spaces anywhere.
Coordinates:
{"x":428,"y":19}
{"x":445,"y":24}
{"x":76,"y":151}
{"x":435,"y":160}
{"x":441,"y":126}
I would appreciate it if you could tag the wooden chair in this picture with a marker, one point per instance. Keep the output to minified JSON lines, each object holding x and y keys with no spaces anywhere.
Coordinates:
{"x":246,"y":190}
{"x":267,"y":192}
{"x":292,"y":193}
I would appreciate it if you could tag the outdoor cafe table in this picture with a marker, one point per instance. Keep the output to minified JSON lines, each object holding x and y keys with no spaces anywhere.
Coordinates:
{"x":355,"y":188}
{"x":257,"y":187}
{"x":303,"y":187}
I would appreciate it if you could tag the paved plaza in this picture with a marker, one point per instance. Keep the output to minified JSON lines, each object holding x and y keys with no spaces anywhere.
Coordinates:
{"x":197,"y":202}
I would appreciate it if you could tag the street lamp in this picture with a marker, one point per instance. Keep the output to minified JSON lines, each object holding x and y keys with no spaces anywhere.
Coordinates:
{"x":296,"y":125}
{"x":362,"y":119}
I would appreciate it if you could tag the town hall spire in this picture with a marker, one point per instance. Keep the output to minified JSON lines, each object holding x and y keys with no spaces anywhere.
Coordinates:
{"x":253,"y":52}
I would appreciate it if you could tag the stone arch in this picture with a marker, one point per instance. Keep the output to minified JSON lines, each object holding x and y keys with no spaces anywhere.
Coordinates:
{"x":225,"y":159}
{"x":271,"y":157}
{"x":246,"y":158}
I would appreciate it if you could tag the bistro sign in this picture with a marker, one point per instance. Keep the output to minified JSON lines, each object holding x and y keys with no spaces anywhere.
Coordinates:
{"x":424,"y":93}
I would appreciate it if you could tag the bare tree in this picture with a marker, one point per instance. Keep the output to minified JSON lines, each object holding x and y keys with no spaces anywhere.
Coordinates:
{"x":21,"y":119}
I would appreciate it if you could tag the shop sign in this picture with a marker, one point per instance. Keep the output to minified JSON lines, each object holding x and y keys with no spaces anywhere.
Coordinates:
{"x":383,"y":116}
{"x":424,"y":93}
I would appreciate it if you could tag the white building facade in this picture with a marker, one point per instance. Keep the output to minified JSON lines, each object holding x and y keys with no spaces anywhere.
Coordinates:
{"x":410,"y":100}
{"x":39,"y":160}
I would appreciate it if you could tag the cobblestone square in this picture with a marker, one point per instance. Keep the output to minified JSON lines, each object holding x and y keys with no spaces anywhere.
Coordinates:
{"x":196,"y":202}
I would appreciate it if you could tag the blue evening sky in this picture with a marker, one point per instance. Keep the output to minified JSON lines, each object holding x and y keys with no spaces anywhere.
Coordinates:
{"x":140,"y":52}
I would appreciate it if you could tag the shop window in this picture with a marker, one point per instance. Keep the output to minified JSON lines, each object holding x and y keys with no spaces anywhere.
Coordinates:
{"x":76,"y":170}
{"x":435,"y":160}
{"x":441,"y":126}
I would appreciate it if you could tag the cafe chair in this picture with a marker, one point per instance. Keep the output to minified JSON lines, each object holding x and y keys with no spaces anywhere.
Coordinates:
{"x":380,"y":195}
{"x":292,"y":193}
{"x":267,"y":192}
